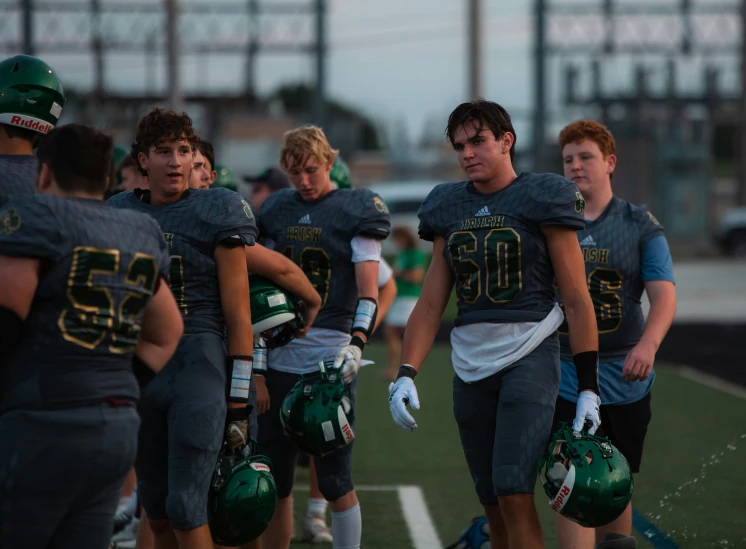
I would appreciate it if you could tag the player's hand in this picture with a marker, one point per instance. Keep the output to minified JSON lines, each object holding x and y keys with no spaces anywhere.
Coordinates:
{"x":262,"y":395}
{"x":401,"y":393}
{"x":348,"y":359}
{"x":639,"y":362}
{"x":309,"y":315}
{"x":587,"y":409}
{"x":236,"y":430}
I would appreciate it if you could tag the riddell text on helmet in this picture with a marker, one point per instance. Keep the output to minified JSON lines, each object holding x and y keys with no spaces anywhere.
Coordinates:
{"x":557,"y":503}
{"x":30,"y":123}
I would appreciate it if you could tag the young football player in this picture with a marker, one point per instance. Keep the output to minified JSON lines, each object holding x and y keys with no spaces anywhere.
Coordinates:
{"x":31,"y":101}
{"x":83,"y":306}
{"x":502,"y":239}
{"x":335,"y":237}
{"x":262,"y":186}
{"x":203,"y":173}
{"x":625,"y":253}
{"x":184,"y":421}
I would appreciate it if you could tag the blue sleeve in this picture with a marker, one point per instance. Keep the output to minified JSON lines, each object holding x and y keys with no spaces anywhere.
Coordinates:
{"x":656,"y":260}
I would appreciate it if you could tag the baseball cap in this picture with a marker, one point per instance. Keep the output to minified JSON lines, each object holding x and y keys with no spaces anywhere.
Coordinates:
{"x":273,"y":177}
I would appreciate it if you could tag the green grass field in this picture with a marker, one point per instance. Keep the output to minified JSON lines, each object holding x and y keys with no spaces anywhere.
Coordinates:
{"x":690,"y":487}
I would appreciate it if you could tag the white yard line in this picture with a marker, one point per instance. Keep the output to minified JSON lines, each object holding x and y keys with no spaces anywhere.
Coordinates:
{"x":420,"y":523}
{"x":711,"y":381}
{"x":422,"y":530}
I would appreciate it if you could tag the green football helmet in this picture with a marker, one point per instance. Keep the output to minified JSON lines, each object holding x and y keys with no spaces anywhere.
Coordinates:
{"x":225,"y":179}
{"x":340,"y":174}
{"x":275,"y":312}
{"x":317,"y":413}
{"x":586,"y":478}
{"x":242,"y":499}
{"x":31,"y":95}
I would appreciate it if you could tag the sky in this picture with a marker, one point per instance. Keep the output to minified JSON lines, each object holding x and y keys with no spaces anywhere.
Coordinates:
{"x":396,"y":60}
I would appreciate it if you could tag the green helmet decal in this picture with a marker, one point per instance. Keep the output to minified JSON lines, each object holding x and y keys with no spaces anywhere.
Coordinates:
{"x":242,"y":499}
{"x":585,"y":477}
{"x":31,"y":95}
{"x":275,"y":312}
{"x":225,"y":179}
{"x":317,"y":414}
{"x":340,"y":174}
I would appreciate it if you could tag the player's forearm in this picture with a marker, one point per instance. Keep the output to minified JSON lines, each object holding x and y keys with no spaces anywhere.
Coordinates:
{"x":581,"y":322}
{"x":419,"y":335}
{"x":661,"y":314}
{"x":386,"y":296}
{"x":155,"y":355}
{"x":366,"y":278}
{"x":283,"y":272}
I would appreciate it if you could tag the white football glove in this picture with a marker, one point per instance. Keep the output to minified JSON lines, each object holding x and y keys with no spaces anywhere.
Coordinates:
{"x":348,"y":359}
{"x":401,"y":393}
{"x":587,"y":410}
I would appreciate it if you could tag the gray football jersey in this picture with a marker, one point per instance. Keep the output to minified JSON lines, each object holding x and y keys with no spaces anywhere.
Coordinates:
{"x":317,"y":235}
{"x":193,"y":227}
{"x":17,"y":176}
{"x":494,"y":244}
{"x":100,"y":268}
{"x":612,"y":248}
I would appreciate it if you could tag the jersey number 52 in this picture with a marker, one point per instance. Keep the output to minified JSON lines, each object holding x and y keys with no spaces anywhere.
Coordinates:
{"x":93,"y":313}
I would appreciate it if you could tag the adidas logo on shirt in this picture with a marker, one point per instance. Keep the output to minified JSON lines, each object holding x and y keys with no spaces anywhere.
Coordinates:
{"x":588,"y":241}
{"x":305,"y":220}
{"x":484,"y":211}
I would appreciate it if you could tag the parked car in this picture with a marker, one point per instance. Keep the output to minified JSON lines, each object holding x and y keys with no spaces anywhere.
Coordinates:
{"x":731,"y":235}
{"x":403,"y":199}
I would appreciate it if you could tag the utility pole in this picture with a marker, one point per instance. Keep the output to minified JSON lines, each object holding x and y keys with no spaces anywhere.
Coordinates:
{"x":741,"y":195}
{"x":27,"y":26}
{"x":319,"y":99}
{"x":474,"y":36}
{"x":98,"y":49}
{"x":253,"y":48}
{"x":540,"y":106}
{"x":172,"y":45}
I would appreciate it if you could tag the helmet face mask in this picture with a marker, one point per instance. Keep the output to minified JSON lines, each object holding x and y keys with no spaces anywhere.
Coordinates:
{"x":317,"y":415}
{"x":275,"y":313}
{"x":586,"y":478}
{"x":31,"y":95}
{"x":242,"y":499}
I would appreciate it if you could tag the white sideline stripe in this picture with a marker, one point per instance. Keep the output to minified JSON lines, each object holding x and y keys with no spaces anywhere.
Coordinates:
{"x":421,"y":528}
{"x":419,"y":522}
{"x":711,"y":381}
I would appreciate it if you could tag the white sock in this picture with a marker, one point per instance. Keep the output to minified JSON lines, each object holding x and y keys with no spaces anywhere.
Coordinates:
{"x":317,"y":507}
{"x":347,"y":528}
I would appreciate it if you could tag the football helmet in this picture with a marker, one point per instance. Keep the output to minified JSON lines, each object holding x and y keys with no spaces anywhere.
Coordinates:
{"x":242,"y":499}
{"x":340,"y":174}
{"x":586,"y":478}
{"x":224,"y":179}
{"x":275,"y":312}
{"x":317,"y":413}
{"x":31,"y":95}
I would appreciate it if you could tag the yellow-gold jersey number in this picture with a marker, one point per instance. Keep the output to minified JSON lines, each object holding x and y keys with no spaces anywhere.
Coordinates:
{"x":603,"y":285}
{"x":501,"y":257}
{"x":93,"y":314}
{"x":315,"y":263}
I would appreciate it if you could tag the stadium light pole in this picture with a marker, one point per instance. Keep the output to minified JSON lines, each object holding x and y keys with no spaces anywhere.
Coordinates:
{"x":173,"y":93}
{"x":741,"y":192}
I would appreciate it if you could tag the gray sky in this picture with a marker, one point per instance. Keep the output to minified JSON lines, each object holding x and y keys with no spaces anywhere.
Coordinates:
{"x":394,"y":59}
